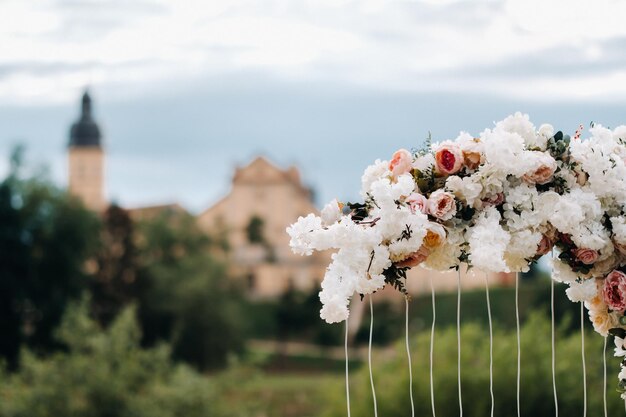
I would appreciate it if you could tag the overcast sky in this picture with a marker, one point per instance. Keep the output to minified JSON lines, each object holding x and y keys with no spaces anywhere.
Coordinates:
{"x":185,"y":90}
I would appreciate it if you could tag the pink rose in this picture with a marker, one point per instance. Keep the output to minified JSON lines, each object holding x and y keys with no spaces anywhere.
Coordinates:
{"x":586,"y":256}
{"x":543,"y":171}
{"x":417,"y":202}
{"x":415,"y":258}
{"x":442,"y":205}
{"x":449,"y":158}
{"x":400,"y":163}
{"x":494,"y":200}
{"x":614,"y":291}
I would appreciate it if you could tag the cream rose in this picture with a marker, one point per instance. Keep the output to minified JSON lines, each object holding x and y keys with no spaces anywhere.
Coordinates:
{"x":400,"y":163}
{"x":602,"y":321}
{"x":449,"y":158}
{"x":442,"y":205}
{"x":543,"y":171}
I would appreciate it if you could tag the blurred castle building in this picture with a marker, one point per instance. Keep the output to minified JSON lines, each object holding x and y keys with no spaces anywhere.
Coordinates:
{"x":263,"y":201}
{"x":86,"y":159}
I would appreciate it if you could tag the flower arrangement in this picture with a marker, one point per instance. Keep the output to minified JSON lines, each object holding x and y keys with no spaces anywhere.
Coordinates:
{"x":496,"y":202}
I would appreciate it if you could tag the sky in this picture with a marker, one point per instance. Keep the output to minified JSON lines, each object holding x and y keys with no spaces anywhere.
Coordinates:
{"x":185,"y":91}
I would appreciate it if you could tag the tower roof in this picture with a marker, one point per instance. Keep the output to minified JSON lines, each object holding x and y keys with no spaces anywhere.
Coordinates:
{"x":85,"y":132}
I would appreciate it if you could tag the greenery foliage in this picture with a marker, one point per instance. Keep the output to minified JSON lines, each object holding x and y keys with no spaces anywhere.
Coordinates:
{"x":105,"y":374}
{"x":391,"y":375}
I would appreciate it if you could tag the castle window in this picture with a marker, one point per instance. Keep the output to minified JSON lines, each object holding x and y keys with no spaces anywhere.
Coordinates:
{"x":250,"y":281}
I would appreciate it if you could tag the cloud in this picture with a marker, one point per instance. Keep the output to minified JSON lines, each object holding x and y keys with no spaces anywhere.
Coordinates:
{"x":51,"y":49}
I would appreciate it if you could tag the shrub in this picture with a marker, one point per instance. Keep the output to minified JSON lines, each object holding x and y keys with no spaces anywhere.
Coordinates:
{"x":391,"y":375}
{"x":105,"y":374}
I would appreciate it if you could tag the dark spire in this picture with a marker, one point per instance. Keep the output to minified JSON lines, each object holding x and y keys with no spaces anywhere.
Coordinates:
{"x":85,"y":132}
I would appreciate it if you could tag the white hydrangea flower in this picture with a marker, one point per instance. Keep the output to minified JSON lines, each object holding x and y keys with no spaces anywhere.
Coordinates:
{"x":488,"y":242}
{"x":424,"y":163}
{"x":373,"y":173}
{"x":468,"y":189}
{"x":620,"y":348}
{"x":561,"y":272}
{"x":302,"y":234}
{"x":582,"y":291}
{"x":520,"y":124}
{"x":331,"y":213}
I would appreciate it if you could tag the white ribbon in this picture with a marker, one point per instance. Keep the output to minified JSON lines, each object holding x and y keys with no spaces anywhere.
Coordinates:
{"x":458,"y":339}
{"x":369,"y":356}
{"x":582,"y":351}
{"x":493,"y":402}
{"x":347,"y":375}
{"x":519,"y":345}
{"x":432,"y":347}
{"x":556,"y":400}
{"x":408,"y":353}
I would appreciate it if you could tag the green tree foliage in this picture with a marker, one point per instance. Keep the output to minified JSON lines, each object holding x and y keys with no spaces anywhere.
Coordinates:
{"x":105,"y":373}
{"x":186,"y":297}
{"x":46,"y":238}
{"x":391,"y":375}
{"x":114,"y":284}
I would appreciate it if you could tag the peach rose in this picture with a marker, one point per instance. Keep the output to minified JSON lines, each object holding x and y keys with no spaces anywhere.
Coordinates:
{"x":414,"y":259}
{"x":545,"y":245}
{"x":442,"y":205}
{"x":417,"y":202}
{"x":614,"y":291}
{"x":471,"y":159}
{"x":542,"y":174}
{"x":400,"y":163}
{"x":435,"y":236}
{"x":449,"y":158}
{"x":586,"y":256}
{"x":602,"y":321}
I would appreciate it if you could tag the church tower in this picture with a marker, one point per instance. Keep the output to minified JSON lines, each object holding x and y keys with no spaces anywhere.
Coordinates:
{"x":86,"y":159}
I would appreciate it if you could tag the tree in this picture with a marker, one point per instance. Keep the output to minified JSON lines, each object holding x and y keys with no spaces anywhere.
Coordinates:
{"x":115,"y":281}
{"x":46,"y":238}
{"x":186,"y":297}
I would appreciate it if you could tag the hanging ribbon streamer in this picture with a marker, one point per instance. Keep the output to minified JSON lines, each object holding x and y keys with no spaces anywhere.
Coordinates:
{"x":606,"y":414}
{"x":408,"y":353}
{"x":369,"y":356}
{"x":582,"y":350}
{"x":432,"y":347}
{"x":493,"y":402}
{"x":458,"y":338}
{"x":519,"y":344}
{"x":347,"y":375}
{"x":556,"y":400}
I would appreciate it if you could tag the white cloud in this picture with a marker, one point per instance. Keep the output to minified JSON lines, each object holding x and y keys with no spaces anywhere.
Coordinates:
{"x":420,"y":45}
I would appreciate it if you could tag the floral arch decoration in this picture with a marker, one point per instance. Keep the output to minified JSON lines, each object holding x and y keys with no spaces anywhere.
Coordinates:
{"x":496,"y":202}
